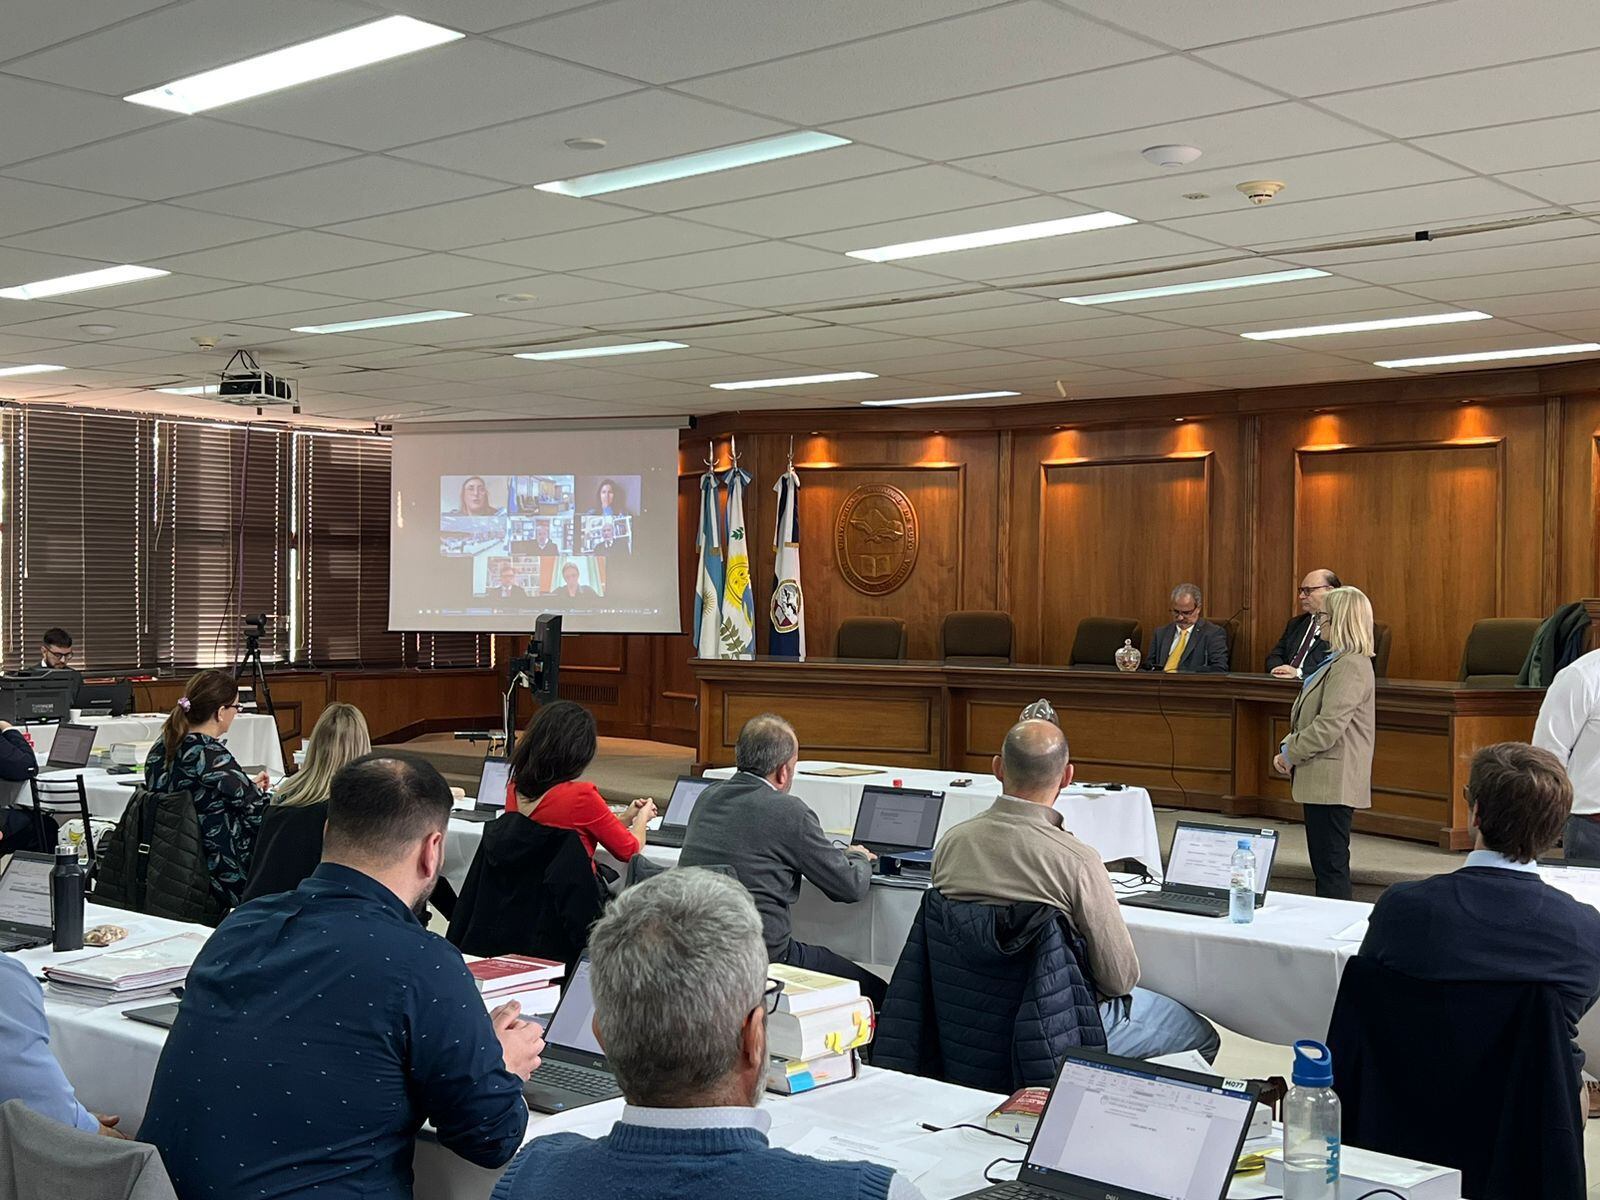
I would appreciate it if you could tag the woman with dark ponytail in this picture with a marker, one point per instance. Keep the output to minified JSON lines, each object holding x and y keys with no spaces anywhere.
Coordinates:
{"x":190,"y":757}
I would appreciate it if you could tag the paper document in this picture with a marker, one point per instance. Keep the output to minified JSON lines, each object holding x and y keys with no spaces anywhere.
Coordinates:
{"x":1352,"y":933}
{"x":844,"y":1147}
{"x":842,"y":772}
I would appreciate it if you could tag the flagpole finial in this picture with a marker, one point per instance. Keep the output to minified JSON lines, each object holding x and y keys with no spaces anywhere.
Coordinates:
{"x":711,"y":454}
{"x":791,"y":452}
{"x":733,"y":449}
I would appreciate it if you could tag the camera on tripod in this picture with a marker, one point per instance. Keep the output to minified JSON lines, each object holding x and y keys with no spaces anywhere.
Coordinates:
{"x":256,"y":625}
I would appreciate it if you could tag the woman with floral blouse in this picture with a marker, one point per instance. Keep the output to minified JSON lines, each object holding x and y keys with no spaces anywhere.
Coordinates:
{"x":190,"y":757}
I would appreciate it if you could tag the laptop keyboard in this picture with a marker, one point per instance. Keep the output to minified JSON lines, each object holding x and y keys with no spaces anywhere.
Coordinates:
{"x":11,"y":941}
{"x":1173,"y":902}
{"x":574,"y":1079}
{"x":1019,"y":1191}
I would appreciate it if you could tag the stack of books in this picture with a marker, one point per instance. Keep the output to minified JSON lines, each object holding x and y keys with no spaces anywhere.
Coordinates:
{"x":134,"y":973}
{"x":531,"y":982}
{"x":813,"y":1039}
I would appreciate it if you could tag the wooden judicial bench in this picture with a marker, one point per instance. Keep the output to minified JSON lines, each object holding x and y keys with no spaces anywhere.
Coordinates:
{"x":1195,"y":741}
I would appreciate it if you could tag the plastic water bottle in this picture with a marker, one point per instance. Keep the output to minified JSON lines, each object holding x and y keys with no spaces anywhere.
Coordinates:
{"x":1242,"y":884}
{"x":1311,"y":1127}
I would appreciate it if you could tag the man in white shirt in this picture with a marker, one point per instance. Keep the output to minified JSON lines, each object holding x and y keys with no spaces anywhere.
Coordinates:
{"x":1569,"y":727}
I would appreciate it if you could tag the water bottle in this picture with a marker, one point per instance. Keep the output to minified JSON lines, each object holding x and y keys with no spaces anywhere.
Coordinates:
{"x":1242,"y":885}
{"x":1311,"y":1127}
{"x":66,"y":898}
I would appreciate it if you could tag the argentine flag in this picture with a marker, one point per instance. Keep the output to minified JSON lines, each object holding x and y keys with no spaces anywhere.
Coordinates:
{"x":708,"y":580}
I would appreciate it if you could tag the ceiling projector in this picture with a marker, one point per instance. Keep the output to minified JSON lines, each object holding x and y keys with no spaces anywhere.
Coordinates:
{"x":243,"y":382}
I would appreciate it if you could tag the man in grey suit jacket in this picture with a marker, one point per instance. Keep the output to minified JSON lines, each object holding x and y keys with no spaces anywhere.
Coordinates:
{"x":1200,"y":645}
{"x":772,"y":840}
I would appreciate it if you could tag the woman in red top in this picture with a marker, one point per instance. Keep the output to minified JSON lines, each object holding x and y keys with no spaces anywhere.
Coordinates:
{"x":558,"y":746}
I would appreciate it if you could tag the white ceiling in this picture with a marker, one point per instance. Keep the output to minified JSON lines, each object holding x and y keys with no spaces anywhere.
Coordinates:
{"x":407,"y":186}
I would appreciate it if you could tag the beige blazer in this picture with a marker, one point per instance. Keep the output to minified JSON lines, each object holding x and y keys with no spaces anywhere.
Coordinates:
{"x":1330,"y":735}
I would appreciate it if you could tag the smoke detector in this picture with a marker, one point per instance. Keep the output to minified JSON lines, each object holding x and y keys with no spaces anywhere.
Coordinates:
{"x":1260,"y":191}
{"x":1171,"y":156}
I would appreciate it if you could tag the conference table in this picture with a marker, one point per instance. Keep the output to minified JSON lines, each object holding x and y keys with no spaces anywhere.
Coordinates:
{"x":253,"y":739}
{"x":111,"y":1063}
{"x":1118,"y":821}
{"x":1193,"y":741}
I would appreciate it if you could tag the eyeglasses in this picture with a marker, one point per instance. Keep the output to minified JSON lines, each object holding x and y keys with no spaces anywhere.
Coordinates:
{"x":1184,"y":612}
{"x":769,"y":998}
{"x":52,"y":652}
{"x":1321,"y":587}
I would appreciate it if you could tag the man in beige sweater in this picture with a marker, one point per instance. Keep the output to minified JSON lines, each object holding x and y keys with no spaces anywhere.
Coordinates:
{"x":1020,"y":851}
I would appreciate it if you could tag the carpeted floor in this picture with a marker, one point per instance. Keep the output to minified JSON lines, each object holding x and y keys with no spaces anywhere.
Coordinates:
{"x":626,"y":768}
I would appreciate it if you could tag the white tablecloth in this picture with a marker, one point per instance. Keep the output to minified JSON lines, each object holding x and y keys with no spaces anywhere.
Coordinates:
{"x":111,"y":1063}
{"x":1118,"y":824}
{"x":253,"y":737}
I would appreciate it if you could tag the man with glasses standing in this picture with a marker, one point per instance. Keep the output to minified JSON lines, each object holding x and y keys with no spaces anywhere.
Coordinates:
{"x":681,"y":997}
{"x":1302,"y":648}
{"x":1189,"y":643}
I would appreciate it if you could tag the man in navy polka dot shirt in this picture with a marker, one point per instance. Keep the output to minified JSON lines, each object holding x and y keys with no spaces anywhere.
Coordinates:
{"x":321,"y":1027}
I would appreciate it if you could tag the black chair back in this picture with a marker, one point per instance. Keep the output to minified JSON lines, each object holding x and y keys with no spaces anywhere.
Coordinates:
{"x":63,"y":797}
{"x":1401,"y":1045}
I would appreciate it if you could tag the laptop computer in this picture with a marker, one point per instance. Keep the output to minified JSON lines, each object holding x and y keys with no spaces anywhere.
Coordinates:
{"x":1121,"y":1129}
{"x":901,"y":823}
{"x":1199,"y":864}
{"x":491,"y":799}
{"x":25,"y":917}
{"x":160,"y":1015}
{"x":674,"y":822}
{"x":573,"y":1069}
{"x":71,"y":748}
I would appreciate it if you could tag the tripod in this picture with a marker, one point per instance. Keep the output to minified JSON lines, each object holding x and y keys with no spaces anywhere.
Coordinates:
{"x":250,"y":664}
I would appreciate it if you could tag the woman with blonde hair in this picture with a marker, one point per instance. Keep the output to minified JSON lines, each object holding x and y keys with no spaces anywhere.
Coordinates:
{"x":1328,"y":752}
{"x":291,"y":833}
{"x":190,"y":757}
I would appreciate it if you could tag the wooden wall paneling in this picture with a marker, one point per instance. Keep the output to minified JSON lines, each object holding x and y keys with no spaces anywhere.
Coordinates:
{"x":399,"y":704}
{"x":1446,"y":566}
{"x":1579,"y":500}
{"x":1115,"y":535}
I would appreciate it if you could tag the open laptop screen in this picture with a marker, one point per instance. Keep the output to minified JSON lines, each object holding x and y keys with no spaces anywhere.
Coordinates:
{"x":572,"y":1026}
{"x":25,"y":890}
{"x":72,"y":746}
{"x":492,"y":783}
{"x":684,"y":794}
{"x":905,"y":818}
{"x":1202,"y":855}
{"x":1135,"y":1132}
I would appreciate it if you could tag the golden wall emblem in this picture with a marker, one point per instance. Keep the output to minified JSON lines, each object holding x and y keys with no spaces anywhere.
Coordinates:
{"x":875,"y":538}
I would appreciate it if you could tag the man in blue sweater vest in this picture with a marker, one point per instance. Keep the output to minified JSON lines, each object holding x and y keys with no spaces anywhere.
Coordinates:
{"x":680,"y":996}
{"x":1495,"y":919}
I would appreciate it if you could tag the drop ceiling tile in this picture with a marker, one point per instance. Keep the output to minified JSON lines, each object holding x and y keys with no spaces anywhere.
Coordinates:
{"x":1330,"y":173}
{"x":184,"y":39}
{"x":1090,"y":349}
{"x":446,"y":90}
{"x":890,"y":354}
{"x":1577,"y":183}
{"x":856,"y":202}
{"x":1551,"y":87}
{"x":144,"y":234}
{"x":967,"y":303}
{"x":763,"y":179}
{"x":283,"y":256}
{"x":1131,"y":96}
{"x":1519,"y":146}
{"x":406,"y":277}
{"x":761,"y":260}
{"x":128,"y":324}
{"x":1309,"y":307}
{"x":1532,"y":307}
{"x":16,"y":349}
{"x":1440,"y":260}
{"x":177,"y":158}
{"x":341,"y":191}
{"x":1462,"y":35}
{"x":781,"y":345}
{"x":1481,"y":291}
{"x":641,"y":311}
{"x":863,"y":236}
{"x":26,"y":206}
{"x":477,"y":16}
{"x":819,"y":287}
{"x":554,"y":295}
{"x":626,"y":241}
{"x":238,"y":303}
{"x":704,"y":36}
{"x":99,"y":354}
{"x":19,"y":265}
{"x":1321,"y":221}
{"x":482,"y":220}
{"x":1128,"y":247}
{"x":639,"y":127}
{"x":1033,"y":40}
{"x":1251,"y":135}
{"x":34,"y":24}
{"x":1066,"y":333}
{"x":1180,"y":23}
{"x":43,"y":119}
